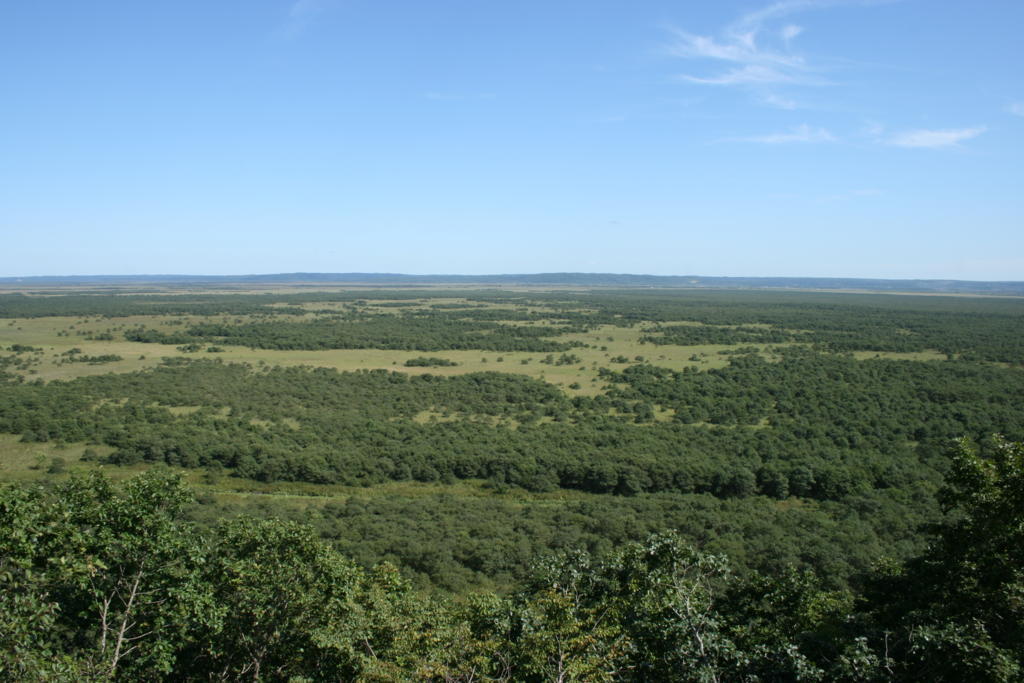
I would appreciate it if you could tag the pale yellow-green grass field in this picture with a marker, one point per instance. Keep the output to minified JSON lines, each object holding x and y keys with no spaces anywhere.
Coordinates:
{"x":58,"y":335}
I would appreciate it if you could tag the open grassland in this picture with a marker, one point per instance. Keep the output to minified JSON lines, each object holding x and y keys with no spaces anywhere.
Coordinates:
{"x":54,"y":337}
{"x":33,"y":461}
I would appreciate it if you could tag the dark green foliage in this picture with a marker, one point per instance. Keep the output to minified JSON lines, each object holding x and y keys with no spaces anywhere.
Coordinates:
{"x":695,"y":335}
{"x":956,"y":612}
{"x":109,"y":583}
{"x":274,"y":588}
{"x":564,"y":359}
{"x":836,"y":427}
{"x":972,"y":329}
{"x":95,"y":360}
{"x":104,"y":304}
{"x":860,"y":403}
{"x":867,"y":435}
{"x":23,"y":348}
{"x":408,"y":333}
{"x":105,"y":583}
{"x":458,"y":543}
{"x":431,"y":362}
{"x":117,"y":566}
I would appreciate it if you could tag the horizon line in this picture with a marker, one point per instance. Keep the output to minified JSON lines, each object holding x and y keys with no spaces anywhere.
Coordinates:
{"x":142,"y":277}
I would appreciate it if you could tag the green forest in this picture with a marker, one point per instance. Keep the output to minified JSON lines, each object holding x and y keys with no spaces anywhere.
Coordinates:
{"x":447,"y":484}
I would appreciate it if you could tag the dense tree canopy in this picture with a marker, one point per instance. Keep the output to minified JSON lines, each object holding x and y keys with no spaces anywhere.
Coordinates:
{"x":108,"y":583}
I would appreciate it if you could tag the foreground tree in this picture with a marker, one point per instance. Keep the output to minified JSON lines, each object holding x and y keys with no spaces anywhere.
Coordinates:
{"x":111,"y":573}
{"x":957,"y":612}
{"x":288,"y":605}
{"x":105,"y":582}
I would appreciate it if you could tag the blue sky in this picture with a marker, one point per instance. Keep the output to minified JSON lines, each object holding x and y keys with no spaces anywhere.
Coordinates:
{"x":803,"y":137}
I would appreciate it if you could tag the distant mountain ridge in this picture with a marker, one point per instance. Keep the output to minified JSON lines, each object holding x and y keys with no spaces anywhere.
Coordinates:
{"x":554,"y":279}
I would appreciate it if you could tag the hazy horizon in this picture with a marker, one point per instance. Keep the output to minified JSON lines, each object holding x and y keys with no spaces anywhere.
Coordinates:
{"x":296,"y":274}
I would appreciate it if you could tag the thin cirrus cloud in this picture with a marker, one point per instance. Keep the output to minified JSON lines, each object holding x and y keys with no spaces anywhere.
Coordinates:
{"x":934,"y":138}
{"x":750,"y":63}
{"x":800,"y":134}
{"x":790,"y":32}
{"x":744,"y":55}
{"x":779,"y":101}
{"x":1017,"y":109}
{"x":300,"y":14}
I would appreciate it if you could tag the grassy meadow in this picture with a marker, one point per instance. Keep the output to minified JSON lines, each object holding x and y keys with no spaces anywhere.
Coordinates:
{"x":55,"y":336}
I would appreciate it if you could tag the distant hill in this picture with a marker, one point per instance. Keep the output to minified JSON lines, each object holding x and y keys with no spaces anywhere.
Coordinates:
{"x":537,"y":279}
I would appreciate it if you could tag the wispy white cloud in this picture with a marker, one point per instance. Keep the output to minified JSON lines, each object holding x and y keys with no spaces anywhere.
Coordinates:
{"x":934,"y":138}
{"x":749,"y":62}
{"x":777,"y":10}
{"x":748,"y":59}
{"x":749,"y":74}
{"x":754,"y":51}
{"x":873,"y":130}
{"x":773,"y":99}
{"x":300,"y":14}
{"x":790,"y":31}
{"x":1017,"y":109}
{"x":801,"y":133}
